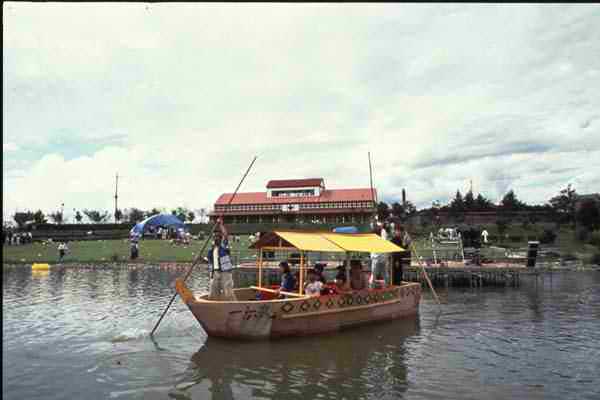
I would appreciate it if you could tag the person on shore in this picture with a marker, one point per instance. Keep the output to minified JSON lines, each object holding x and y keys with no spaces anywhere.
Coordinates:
{"x":484,"y":235}
{"x":288,"y":281}
{"x":314,"y":286}
{"x":62,"y":251}
{"x":135,"y":250}
{"x":219,"y":264}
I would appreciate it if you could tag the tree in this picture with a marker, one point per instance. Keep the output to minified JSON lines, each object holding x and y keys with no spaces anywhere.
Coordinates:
{"x":409,"y":208}
{"x":511,"y":203}
{"x":118,"y":215}
{"x":152,"y":212}
{"x":564,"y":204}
{"x":588,"y":215}
{"x":181,"y":213}
{"x":397,"y":209}
{"x":57,"y":217}
{"x":383,"y":211}
{"x":22,"y":217}
{"x":483,"y":204}
{"x":469,"y":201}
{"x":191,"y":216}
{"x":135,"y":215}
{"x":96,"y":216}
{"x":457,"y":204}
{"x":78,"y":217}
{"x":39,"y":217}
{"x":403,"y":210}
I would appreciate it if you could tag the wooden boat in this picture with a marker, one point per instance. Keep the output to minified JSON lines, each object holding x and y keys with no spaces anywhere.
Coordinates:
{"x":297,"y":313}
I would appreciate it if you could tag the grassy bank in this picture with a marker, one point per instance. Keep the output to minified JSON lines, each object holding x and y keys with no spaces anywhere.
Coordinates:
{"x":157,"y":251}
{"x":89,"y":251}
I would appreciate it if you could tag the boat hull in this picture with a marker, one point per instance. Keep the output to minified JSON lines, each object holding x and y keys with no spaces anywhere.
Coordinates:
{"x":299,"y":316}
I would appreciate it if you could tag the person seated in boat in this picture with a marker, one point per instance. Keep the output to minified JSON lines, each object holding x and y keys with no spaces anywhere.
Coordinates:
{"x":319,"y":272}
{"x":357,"y":278}
{"x":219,"y":264}
{"x":288,"y":281}
{"x":313,"y":286}
{"x":340,"y":284}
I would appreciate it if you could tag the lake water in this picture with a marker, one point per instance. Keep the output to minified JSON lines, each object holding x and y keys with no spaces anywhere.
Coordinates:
{"x":83,"y":334}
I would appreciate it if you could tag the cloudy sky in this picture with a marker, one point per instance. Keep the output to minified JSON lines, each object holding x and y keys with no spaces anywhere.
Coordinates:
{"x":178,"y":98}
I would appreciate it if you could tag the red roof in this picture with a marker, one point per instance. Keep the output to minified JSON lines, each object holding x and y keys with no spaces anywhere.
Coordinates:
{"x":326,"y":196}
{"x":290,"y":183}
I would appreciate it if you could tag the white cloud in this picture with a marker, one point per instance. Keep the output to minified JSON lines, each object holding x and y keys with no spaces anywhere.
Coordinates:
{"x":503,"y":95}
{"x":8,"y":147}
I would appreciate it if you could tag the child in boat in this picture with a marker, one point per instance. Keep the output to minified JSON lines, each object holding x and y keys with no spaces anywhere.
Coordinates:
{"x":340,"y":281}
{"x":314,"y":286}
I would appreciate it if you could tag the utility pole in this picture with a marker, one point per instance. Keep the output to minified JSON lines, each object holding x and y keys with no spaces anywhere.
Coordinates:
{"x":116,"y":196}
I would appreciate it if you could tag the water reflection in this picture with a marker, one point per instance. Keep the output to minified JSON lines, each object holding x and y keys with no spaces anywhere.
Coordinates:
{"x":368,"y":360}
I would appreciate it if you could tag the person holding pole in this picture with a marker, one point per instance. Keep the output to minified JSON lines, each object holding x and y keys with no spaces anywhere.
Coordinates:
{"x":378,"y":260}
{"x":400,"y":259}
{"x":219,"y":264}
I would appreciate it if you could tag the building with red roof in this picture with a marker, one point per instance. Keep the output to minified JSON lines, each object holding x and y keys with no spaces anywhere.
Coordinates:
{"x":297,"y":201}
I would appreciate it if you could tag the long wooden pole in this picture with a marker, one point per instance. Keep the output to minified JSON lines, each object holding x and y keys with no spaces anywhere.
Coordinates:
{"x":371,"y":180}
{"x":414,"y":249}
{"x":201,"y":253}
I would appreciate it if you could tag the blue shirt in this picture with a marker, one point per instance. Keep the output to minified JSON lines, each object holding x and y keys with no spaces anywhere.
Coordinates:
{"x":224,"y":258}
{"x":288,"y":282}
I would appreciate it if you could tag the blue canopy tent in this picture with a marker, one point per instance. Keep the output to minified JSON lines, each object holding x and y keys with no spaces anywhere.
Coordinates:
{"x":164,"y":220}
{"x":345,"y":229}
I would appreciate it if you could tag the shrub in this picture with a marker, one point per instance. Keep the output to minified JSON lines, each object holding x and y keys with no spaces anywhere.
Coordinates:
{"x":548,"y":236}
{"x":595,"y":260}
{"x":582,"y":234}
{"x":114,"y":257}
{"x":595,"y":239}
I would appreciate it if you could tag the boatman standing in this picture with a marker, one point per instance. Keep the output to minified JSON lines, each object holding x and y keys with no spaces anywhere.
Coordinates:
{"x":219,"y":265}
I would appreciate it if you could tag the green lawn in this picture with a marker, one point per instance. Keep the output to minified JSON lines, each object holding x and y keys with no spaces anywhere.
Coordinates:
{"x":154,"y":251}
{"x":110,"y":250}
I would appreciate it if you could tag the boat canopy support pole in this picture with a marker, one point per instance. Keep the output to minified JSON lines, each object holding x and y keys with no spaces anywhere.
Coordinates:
{"x":301,"y":285}
{"x":260,"y":257}
{"x":347,"y":268}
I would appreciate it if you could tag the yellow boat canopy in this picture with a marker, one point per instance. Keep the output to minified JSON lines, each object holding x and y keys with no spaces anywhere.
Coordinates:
{"x":326,"y":242}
